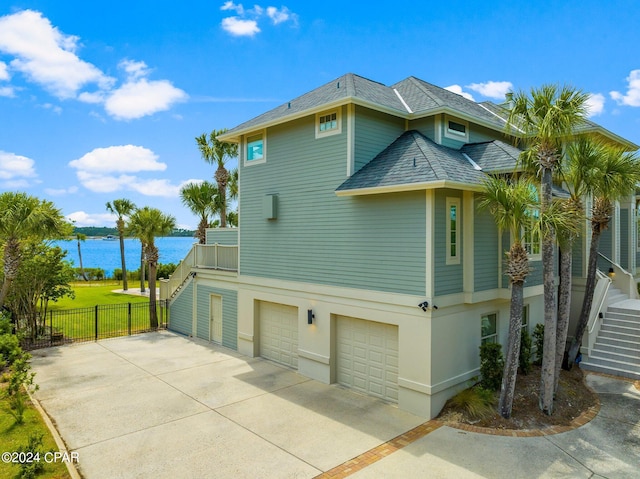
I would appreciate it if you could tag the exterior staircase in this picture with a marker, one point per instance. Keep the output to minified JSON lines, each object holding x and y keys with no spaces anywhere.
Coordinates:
{"x":617,"y":346}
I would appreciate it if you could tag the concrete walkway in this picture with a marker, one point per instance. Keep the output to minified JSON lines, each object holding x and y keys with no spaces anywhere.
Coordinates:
{"x":162,"y":405}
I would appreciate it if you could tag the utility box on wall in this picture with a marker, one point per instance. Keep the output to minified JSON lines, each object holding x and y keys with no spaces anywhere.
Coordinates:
{"x":270,"y":207}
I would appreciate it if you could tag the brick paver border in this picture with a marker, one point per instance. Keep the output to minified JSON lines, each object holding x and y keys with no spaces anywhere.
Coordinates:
{"x":380,"y":452}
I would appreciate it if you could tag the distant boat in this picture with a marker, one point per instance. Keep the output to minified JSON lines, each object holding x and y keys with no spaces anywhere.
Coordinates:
{"x":109,"y":238}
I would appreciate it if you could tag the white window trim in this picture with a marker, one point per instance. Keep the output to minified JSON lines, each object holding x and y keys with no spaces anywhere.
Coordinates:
{"x":454,"y":134}
{"x":335,"y":131}
{"x":533,"y":256}
{"x":449,"y":203}
{"x":245,"y":144}
{"x":495,"y":335}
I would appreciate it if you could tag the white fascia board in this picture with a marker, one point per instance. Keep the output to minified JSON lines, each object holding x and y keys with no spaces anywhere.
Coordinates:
{"x":409,"y":187}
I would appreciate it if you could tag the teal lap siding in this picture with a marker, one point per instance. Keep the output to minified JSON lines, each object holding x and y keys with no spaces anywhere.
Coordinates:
{"x":374,"y":242}
{"x":624,"y":238}
{"x":485,"y":252}
{"x":181,"y":311}
{"x":229,"y":314}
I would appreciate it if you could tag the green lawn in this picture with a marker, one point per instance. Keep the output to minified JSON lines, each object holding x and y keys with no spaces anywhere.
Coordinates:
{"x":97,"y":292}
{"x":13,"y":436}
{"x":77,"y":318}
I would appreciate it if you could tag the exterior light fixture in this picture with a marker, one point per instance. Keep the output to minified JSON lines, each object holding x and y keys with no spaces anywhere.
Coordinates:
{"x":310,"y":316}
{"x":612,"y":273}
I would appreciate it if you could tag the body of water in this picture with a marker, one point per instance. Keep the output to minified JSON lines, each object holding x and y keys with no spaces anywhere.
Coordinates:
{"x":105,"y":254}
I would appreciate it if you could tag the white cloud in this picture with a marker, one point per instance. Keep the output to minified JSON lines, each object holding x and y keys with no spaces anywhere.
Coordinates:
{"x":81,"y":218}
{"x":595,"y":104}
{"x":139,"y":98}
{"x":4,"y":72}
{"x":280,"y":16}
{"x":61,"y":191}
{"x":134,"y":69}
{"x":239,"y":9}
{"x":632,"y":97}
{"x":118,"y":159}
{"x":14,"y":166}
{"x":245,"y":22}
{"x":458,"y":90}
{"x":7,"y":91}
{"x":492,"y":89}
{"x":54,"y":108}
{"x":240,"y":28}
{"x":47,"y":56}
{"x":116,"y":168}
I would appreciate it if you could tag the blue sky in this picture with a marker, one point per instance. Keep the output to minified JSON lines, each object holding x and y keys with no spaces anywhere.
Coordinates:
{"x":103,"y":100}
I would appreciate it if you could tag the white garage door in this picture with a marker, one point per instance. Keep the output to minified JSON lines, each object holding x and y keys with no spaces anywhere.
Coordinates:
{"x":367,"y":357}
{"x":279,"y":333}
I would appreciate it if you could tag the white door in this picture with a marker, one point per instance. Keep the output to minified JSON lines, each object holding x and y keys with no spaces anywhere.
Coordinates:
{"x":367,"y":357}
{"x":216,"y":319}
{"x":279,"y":333}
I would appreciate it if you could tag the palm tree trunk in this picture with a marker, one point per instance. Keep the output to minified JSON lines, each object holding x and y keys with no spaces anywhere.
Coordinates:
{"x":11,"y":265}
{"x":125,"y":281}
{"x":152,"y":257}
{"x":564,"y":308}
{"x":588,"y":295}
{"x":550,"y":311}
{"x":222,"y":178}
{"x":84,"y":276}
{"x":142,"y":289}
{"x":513,"y":350}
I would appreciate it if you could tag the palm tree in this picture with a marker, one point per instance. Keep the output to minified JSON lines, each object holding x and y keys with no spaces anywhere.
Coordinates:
{"x":547,"y":118}
{"x":577,"y":174}
{"x":24,"y":217}
{"x":122,"y":208}
{"x":201,"y":199}
{"x":216,"y":152}
{"x":614,"y":176}
{"x":146,"y":224}
{"x":512,"y":204}
{"x":81,"y":237}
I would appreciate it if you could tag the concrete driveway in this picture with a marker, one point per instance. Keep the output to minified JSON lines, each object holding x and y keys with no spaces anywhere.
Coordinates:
{"x":164,"y":406}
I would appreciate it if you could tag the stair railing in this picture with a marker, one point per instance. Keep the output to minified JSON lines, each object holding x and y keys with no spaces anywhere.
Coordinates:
{"x":603,"y":282}
{"x":622,"y":279}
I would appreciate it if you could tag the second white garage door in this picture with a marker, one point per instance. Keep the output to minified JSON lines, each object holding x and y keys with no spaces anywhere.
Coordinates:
{"x":279,"y":333}
{"x":367,"y":357}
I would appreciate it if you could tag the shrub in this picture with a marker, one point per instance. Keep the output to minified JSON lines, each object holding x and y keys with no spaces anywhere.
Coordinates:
{"x":538,"y":341}
{"x":32,"y":469}
{"x":525,"y":352}
{"x":10,"y":349}
{"x":5,"y":324}
{"x":477,"y":402}
{"x":18,"y":407}
{"x":21,"y":375}
{"x":491,"y":366}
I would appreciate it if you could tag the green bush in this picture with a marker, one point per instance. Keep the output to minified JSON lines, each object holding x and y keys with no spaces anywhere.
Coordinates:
{"x":10,"y":349}
{"x":525,"y":352}
{"x":18,"y":406}
{"x":477,"y":402}
{"x":538,"y":342}
{"x":491,"y":366}
{"x":21,"y":375}
{"x":5,"y":324}
{"x":32,"y":469}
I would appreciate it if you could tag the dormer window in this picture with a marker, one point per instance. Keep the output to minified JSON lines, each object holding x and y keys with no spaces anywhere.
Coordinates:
{"x":456,"y":129}
{"x":328,"y":123}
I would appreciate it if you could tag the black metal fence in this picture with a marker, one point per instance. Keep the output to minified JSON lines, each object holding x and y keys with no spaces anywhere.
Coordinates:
{"x":91,"y":324}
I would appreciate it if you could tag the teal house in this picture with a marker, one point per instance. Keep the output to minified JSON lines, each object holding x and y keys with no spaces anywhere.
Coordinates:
{"x":361,"y":258}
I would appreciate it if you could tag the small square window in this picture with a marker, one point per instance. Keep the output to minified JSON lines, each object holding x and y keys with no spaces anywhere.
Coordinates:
{"x":489,"y":328}
{"x":456,"y":129}
{"x":255,"y":149}
{"x":328,"y":123}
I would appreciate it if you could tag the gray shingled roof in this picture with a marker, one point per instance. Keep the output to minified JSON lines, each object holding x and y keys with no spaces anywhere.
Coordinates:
{"x":413,"y":158}
{"x":493,"y":156}
{"x":423,"y":97}
{"x":346,"y":86}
